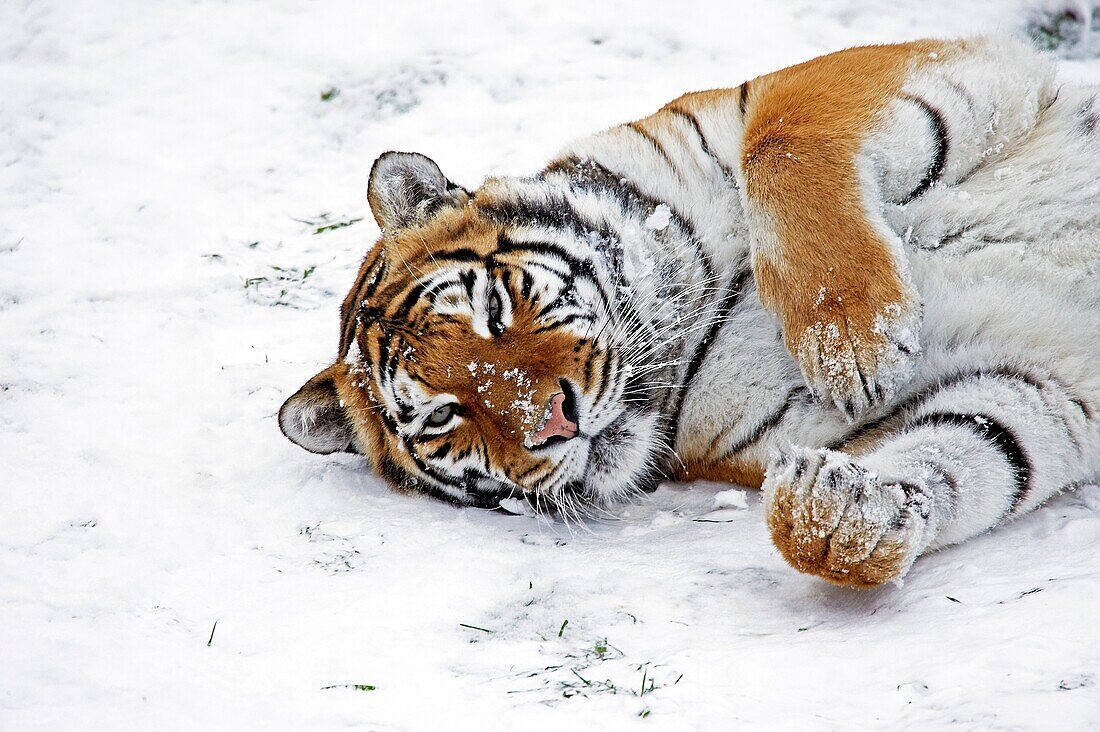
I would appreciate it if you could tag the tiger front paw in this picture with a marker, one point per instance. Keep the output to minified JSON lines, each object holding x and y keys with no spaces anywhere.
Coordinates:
{"x":831,"y":517}
{"x":856,"y":354}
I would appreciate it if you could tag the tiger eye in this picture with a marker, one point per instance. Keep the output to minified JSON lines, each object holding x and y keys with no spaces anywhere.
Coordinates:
{"x":495,"y":306}
{"x":440,"y":416}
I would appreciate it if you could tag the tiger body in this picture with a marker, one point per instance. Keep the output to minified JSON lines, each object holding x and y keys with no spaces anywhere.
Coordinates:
{"x":923,"y":239}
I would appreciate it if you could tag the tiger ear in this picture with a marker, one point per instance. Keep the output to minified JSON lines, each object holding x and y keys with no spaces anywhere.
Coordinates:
{"x":406,"y":189}
{"x":314,"y":419}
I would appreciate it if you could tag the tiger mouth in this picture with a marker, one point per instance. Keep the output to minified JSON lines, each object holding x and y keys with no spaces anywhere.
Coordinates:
{"x":606,"y":450}
{"x":607,"y":457}
{"x":607,"y":441}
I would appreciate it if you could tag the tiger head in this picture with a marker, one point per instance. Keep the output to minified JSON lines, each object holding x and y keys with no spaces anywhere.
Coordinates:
{"x":481,"y":355}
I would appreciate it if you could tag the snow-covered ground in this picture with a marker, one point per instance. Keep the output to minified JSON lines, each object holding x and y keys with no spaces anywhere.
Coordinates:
{"x":164,"y":167}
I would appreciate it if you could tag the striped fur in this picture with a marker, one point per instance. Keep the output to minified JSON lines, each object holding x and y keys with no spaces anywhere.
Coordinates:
{"x":917,"y":225}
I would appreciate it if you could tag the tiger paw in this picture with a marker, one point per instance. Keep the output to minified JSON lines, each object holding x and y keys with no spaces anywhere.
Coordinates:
{"x":831,"y":517}
{"x":854,"y":356}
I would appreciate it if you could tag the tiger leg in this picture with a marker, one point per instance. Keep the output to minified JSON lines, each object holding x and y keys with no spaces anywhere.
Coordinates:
{"x":827,"y":146}
{"x":965,"y":459}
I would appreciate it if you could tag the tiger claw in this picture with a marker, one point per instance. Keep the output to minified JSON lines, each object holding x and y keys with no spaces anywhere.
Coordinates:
{"x":860,"y":368}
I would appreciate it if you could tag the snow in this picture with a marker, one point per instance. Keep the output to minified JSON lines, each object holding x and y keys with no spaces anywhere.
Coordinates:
{"x":732,"y":498}
{"x":170,"y":271}
{"x":660,"y":218}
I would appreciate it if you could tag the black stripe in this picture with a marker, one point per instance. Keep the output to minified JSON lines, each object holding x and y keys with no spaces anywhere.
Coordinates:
{"x":1083,"y":406}
{"x":530,"y":471}
{"x":432,"y":293}
{"x":408,"y":303}
{"x":939,"y":156}
{"x":743,"y":102}
{"x":347,"y":333}
{"x":1089,"y":118}
{"x":592,"y":353}
{"x":352,"y":305}
{"x":552,"y":211}
{"x":566,"y":296}
{"x":389,"y":422}
{"x":484,"y":452}
{"x":997,"y":435}
{"x":916,"y":498}
{"x":463,"y":254}
{"x":729,"y":300}
{"x":589,"y":175}
{"x":440,"y":451}
{"x":656,"y":144}
{"x":963,"y":92}
{"x":561,"y":274}
{"x":605,"y":377}
{"x":692,"y":120}
{"x":948,"y":481}
{"x":577,"y":267}
{"x":422,"y":291}
{"x":918,"y":397}
{"x":347,"y":307}
{"x":429,"y":471}
{"x":1090,"y":123}
{"x":571,"y":318}
{"x":387,"y":364}
{"x":396,"y":475}
{"x":468,"y":279}
{"x":482,"y":498}
{"x":758,"y":432}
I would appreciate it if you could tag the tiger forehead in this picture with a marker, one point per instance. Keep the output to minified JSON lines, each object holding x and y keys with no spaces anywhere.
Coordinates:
{"x":474,"y":228}
{"x":399,"y":261}
{"x":473,"y":231}
{"x":416,"y":255}
{"x":443,"y":352}
{"x":411,"y":306}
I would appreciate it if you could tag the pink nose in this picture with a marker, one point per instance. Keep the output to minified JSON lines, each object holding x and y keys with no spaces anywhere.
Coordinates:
{"x":556,"y":424}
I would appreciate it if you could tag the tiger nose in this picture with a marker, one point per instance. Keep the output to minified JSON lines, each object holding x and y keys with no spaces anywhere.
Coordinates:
{"x":560,"y":420}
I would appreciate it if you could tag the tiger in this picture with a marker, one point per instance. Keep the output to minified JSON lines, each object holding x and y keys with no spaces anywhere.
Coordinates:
{"x":866,"y":284}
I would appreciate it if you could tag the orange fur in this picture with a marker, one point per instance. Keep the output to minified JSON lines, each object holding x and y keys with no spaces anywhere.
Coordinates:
{"x":799,"y":148}
{"x":811,"y":549}
{"x":737,"y":472}
{"x":798,"y":153}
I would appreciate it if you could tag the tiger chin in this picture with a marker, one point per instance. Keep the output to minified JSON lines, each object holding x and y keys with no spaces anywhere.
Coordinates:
{"x":862,"y":284}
